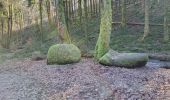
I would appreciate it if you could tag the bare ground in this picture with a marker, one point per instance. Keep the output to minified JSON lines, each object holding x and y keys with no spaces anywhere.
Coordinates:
{"x":87,"y":80}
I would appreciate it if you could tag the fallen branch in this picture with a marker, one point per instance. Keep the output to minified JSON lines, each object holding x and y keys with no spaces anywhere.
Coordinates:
{"x":133,"y":23}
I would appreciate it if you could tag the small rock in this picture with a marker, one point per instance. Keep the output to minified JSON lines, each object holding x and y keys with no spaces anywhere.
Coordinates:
{"x":37,"y":55}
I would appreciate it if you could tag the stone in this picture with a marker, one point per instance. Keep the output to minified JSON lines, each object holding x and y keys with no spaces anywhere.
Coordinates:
{"x":127,"y":60}
{"x":63,"y":54}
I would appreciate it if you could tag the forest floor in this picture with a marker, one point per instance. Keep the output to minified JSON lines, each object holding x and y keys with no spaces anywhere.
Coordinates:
{"x":87,"y":80}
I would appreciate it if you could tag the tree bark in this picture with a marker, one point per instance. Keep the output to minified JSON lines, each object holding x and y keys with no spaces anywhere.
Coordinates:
{"x":41,"y":18}
{"x":146,"y":27}
{"x":48,"y":7}
{"x":63,"y":30}
{"x":102,"y":46}
{"x":80,"y":12}
{"x":166,"y":28}
{"x":123,"y":10}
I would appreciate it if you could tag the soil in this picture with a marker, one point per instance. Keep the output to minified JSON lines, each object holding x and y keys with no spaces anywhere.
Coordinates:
{"x":86,"y":80}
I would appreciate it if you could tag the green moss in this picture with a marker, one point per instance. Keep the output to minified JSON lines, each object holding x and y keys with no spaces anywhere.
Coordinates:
{"x":106,"y":59}
{"x":63,"y":54}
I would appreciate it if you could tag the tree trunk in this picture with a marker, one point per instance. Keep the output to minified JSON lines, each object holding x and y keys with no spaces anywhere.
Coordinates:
{"x":11,"y":21}
{"x":9,"y":31}
{"x":48,"y":6}
{"x":56,"y":12}
{"x":146,"y":27}
{"x":91,"y":7}
{"x":85,"y":20}
{"x":80,"y":12}
{"x":123,"y":9}
{"x":94,"y":7}
{"x":21,"y":26}
{"x":2,"y":25}
{"x":63,"y":30}
{"x":166,"y":28}
{"x":102,"y":46}
{"x":2,"y":29}
{"x":41,"y":18}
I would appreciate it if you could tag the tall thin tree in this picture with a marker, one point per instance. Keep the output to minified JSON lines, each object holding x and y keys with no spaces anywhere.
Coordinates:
{"x":166,"y":17}
{"x":123,"y":12}
{"x":146,"y":27}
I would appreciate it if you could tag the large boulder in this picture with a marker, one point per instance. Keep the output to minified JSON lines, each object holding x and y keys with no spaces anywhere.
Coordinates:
{"x":63,"y":54}
{"x":127,"y":60}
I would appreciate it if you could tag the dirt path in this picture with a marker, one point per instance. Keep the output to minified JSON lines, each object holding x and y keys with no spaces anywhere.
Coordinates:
{"x":31,"y":80}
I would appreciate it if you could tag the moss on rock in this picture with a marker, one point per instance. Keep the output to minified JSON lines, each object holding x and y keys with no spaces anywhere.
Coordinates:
{"x":106,"y":59}
{"x":63,"y":54}
{"x":128,"y":60}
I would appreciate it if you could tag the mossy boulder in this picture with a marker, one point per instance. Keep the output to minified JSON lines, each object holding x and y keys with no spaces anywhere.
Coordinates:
{"x":127,"y":60}
{"x":63,"y":54}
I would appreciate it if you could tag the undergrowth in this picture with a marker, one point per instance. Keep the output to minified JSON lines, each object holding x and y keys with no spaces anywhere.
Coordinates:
{"x":122,"y":40}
